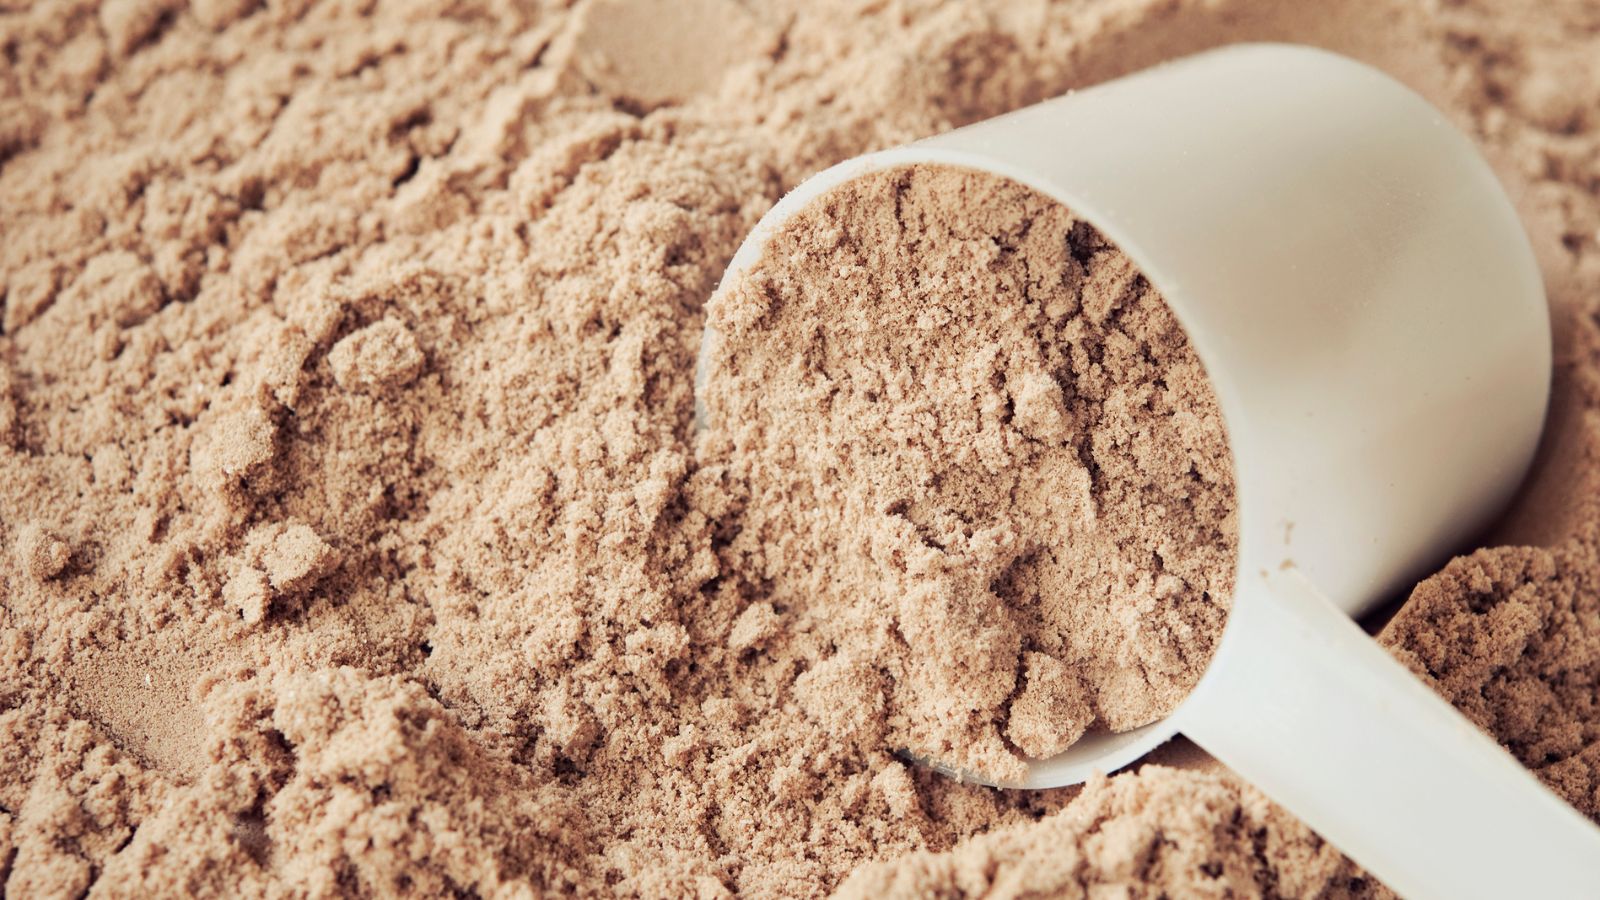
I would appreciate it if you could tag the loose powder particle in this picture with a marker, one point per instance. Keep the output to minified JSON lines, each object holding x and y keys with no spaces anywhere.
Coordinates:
{"x":981,"y":455}
{"x":353,"y":536}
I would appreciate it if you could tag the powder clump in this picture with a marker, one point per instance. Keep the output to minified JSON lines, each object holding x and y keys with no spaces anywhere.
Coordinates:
{"x":43,"y":555}
{"x":381,"y":355}
{"x":991,"y":453}
{"x":291,"y":555}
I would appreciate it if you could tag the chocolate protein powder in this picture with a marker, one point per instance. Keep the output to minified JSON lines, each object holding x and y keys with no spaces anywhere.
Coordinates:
{"x":981,"y":456}
{"x":354,"y":536}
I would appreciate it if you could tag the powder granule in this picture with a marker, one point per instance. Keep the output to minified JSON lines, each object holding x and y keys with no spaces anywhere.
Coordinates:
{"x":994,"y":462}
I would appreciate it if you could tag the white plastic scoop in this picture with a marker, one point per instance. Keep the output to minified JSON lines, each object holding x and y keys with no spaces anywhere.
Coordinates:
{"x":1370,"y":314}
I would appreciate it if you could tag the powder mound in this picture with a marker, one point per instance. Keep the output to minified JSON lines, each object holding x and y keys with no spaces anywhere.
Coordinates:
{"x":1511,"y":636}
{"x":337,"y":781}
{"x":962,"y":413}
{"x":92,"y":799}
{"x":1161,"y":832}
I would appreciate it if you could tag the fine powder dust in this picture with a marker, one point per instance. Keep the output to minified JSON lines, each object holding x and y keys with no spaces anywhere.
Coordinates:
{"x":354,"y":534}
{"x":976,"y":450}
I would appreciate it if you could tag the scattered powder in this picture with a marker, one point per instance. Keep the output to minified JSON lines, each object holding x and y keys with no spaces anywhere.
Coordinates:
{"x":397,"y":304}
{"x":982,"y":458}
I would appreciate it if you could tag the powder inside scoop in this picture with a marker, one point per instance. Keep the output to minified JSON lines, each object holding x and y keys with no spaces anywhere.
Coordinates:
{"x":981,"y":454}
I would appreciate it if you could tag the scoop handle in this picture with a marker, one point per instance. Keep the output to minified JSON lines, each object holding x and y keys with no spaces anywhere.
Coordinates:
{"x":1304,"y":705}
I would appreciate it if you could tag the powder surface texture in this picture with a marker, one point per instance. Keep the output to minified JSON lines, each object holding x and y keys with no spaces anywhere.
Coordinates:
{"x":353,"y":536}
{"x":980,"y":455}
{"x":1148,"y":834}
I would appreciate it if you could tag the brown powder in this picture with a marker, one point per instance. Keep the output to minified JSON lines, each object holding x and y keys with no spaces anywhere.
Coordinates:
{"x":982,"y":458}
{"x":507,"y":653}
{"x":1512,"y":636}
{"x":1161,"y":832}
